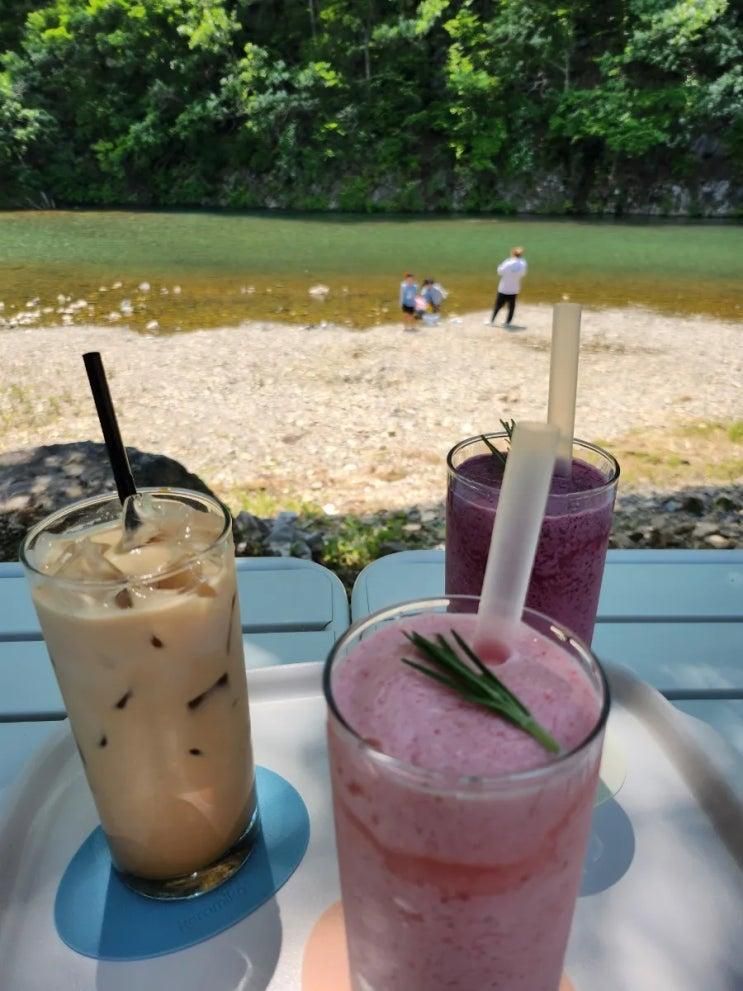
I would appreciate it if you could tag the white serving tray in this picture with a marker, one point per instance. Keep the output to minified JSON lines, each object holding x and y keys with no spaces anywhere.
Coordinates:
{"x":665,"y":912}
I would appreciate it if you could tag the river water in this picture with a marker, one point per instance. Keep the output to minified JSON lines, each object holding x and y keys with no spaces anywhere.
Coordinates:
{"x":215,"y":269}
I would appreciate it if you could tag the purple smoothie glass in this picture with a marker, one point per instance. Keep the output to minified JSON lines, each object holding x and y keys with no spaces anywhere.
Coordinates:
{"x":569,"y":563}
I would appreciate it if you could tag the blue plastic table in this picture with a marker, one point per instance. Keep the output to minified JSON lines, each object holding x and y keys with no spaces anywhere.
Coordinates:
{"x":675,"y":618}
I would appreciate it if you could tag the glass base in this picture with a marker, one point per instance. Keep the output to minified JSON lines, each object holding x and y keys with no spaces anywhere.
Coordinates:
{"x":203,"y":880}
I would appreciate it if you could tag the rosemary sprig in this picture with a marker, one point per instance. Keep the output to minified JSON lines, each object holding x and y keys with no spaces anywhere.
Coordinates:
{"x":508,"y":426}
{"x":476,"y":684}
{"x":494,"y":450}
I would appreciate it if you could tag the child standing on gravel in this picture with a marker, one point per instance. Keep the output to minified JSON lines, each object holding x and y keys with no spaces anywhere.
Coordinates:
{"x":408,"y":292}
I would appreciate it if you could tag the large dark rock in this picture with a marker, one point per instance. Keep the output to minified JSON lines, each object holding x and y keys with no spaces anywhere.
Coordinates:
{"x":39,"y":480}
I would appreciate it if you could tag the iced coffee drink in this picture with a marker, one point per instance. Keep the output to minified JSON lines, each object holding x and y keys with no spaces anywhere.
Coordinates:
{"x":143,"y":628}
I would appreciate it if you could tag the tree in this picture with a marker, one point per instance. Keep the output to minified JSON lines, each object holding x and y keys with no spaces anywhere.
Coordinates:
{"x":366,"y":104}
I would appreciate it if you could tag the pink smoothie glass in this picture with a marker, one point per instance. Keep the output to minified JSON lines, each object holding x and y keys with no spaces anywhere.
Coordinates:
{"x":454,"y":880}
{"x":571,"y":553}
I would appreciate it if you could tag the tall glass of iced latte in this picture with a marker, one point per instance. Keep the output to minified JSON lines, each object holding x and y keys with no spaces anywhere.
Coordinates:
{"x":143,"y":628}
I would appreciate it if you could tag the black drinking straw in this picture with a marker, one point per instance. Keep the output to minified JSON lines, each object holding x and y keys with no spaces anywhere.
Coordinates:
{"x":109,"y":425}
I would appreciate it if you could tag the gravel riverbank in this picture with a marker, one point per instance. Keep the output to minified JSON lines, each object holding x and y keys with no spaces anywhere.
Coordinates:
{"x":360,"y":421}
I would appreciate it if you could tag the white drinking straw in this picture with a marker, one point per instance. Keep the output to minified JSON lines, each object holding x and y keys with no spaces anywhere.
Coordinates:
{"x":564,"y":380}
{"x":521,"y":505}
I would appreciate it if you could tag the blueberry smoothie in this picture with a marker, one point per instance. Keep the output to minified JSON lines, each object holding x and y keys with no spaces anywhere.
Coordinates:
{"x":569,"y":563}
{"x":460,"y":838}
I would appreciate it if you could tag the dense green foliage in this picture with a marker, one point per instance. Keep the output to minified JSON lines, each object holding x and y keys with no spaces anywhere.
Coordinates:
{"x":371,"y":104}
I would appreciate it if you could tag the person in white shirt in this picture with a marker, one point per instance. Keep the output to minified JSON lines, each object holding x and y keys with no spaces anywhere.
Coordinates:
{"x":511,"y":272}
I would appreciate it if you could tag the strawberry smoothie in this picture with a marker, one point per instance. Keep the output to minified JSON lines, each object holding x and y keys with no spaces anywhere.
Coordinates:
{"x":460,"y":839}
{"x":569,"y":564}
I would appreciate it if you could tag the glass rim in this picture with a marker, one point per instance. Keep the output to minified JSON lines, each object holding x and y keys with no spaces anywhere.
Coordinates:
{"x":444,"y":780}
{"x":500,"y":434}
{"x":82,"y":583}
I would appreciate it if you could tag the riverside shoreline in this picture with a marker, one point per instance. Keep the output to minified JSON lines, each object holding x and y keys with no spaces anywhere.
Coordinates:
{"x":359,"y":421}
